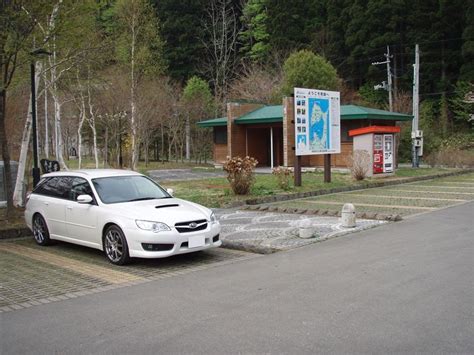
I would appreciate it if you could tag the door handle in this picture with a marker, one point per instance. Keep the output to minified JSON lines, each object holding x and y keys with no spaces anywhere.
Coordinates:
{"x":69,"y":207}
{"x":46,"y":203}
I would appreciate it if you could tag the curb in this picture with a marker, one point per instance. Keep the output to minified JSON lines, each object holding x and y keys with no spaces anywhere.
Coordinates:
{"x":323,"y":212}
{"x":242,"y":246}
{"x":15,"y":233}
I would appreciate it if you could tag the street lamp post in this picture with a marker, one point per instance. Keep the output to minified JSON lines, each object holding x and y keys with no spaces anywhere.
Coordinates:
{"x":36,"y":170}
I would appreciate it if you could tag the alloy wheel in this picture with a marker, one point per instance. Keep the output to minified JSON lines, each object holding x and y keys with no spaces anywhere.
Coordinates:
{"x":114,"y":247}
{"x":39,"y":230}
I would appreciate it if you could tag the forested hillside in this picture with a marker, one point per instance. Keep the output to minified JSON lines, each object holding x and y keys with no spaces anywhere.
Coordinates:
{"x":129,"y":78}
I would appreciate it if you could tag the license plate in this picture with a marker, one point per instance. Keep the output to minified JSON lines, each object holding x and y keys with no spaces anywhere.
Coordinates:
{"x":197,"y":241}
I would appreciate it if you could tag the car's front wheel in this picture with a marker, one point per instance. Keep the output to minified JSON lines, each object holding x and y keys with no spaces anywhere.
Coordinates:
{"x":115,"y":246}
{"x":40,"y":230}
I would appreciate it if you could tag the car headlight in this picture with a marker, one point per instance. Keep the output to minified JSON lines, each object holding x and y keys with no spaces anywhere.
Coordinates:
{"x":213,"y":218}
{"x":152,"y":226}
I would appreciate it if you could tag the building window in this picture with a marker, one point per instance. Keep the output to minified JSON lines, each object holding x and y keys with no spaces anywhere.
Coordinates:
{"x":220,"y":135}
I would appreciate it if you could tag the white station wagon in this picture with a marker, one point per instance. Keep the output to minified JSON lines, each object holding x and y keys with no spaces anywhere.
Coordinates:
{"x":121,"y":212}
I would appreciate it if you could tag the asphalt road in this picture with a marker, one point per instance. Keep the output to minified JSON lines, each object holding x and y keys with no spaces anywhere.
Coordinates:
{"x":406,"y":287}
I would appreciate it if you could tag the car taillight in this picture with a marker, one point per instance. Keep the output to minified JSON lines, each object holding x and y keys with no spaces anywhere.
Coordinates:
{"x":28,"y":194}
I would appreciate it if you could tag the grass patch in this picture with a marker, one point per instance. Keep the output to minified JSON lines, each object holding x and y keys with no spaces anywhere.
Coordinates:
{"x":152,"y":165}
{"x":409,"y":172}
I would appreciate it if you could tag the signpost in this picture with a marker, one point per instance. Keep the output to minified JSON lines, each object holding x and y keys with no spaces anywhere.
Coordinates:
{"x":317,"y":125}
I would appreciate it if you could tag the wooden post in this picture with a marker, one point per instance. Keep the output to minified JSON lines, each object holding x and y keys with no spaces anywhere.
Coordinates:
{"x":327,"y":167}
{"x":297,"y":170}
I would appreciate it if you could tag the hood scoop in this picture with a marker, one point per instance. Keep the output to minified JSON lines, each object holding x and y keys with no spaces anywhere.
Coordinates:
{"x":166,"y":206}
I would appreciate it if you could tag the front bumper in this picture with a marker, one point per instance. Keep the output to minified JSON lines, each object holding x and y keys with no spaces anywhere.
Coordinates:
{"x":178,"y":242}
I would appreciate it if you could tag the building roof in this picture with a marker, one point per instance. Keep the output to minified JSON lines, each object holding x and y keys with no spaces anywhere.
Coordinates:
{"x":222,"y":121}
{"x":270,"y":114}
{"x":353,"y":112}
{"x":265,"y":114}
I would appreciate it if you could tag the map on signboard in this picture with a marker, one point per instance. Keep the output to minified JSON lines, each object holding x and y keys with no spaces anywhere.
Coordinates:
{"x":317,"y":121}
{"x":319,"y":136}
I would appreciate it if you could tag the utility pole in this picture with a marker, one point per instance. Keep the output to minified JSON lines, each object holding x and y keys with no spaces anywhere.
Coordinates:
{"x":387,"y":86}
{"x":416,"y":135}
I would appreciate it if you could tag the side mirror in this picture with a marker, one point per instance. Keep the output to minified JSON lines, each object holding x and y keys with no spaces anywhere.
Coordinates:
{"x":170,"y":191}
{"x":84,"y":199}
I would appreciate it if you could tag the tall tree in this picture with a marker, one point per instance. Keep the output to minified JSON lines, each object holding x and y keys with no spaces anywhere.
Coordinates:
{"x":139,"y":49}
{"x":307,"y":70}
{"x":181,"y":28}
{"x":220,"y":39}
{"x":198,"y":104}
{"x":15,"y":42}
{"x":255,"y":36}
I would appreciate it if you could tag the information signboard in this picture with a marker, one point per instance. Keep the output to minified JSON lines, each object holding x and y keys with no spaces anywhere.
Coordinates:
{"x":317,"y":122}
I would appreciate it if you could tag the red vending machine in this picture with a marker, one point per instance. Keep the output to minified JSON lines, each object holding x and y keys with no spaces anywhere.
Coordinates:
{"x":378,"y":141}
{"x":378,"y":154}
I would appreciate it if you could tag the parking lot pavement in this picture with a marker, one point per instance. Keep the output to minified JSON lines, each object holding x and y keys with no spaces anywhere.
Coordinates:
{"x":405,"y":200}
{"x":184,"y":174}
{"x":267,"y":232}
{"x":33,"y":275}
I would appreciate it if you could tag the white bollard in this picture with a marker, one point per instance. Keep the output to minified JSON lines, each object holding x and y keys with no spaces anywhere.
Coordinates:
{"x":306,"y":230}
{"x":348,"y":215}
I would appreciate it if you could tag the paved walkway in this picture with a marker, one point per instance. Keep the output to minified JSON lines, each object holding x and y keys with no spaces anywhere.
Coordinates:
{"x":184,"y":174}
{"x":33,"y":275}
{"x":267,"y":232}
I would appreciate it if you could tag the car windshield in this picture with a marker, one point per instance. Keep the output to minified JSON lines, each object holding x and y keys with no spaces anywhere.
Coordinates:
{"x":116,"y":189}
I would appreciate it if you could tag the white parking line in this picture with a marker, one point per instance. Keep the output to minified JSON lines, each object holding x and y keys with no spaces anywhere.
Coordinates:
{"x":410,"y":197}
{"x":432,"y":192}
{"x":443,"y":187}
{"x":374,"y":205}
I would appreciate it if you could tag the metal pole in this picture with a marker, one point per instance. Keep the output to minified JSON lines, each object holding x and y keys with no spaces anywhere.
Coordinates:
{"x":271,"y":147}
{"x":35,"y":171}
{"x":414,"y":126}
{"x":389,"y":80}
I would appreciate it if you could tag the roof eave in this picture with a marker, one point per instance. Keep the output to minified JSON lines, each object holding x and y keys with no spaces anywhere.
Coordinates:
{"x":258,"y":120}
{"x":366,"y":116}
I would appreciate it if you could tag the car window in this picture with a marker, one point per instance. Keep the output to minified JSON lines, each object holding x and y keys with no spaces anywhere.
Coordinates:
{"x":58,"y":186}
{"x":117,"y":189}
{"x":80,"y":186}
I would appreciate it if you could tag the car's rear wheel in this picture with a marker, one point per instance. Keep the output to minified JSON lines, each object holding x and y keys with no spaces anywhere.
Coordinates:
{"x":115,"y":246}
{"x":40,"y":230}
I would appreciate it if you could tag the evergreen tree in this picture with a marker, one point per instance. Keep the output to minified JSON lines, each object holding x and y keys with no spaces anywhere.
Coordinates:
{"x":181,"y":29}
{"x":467,"y":68}
{"x":255,"y":37}
{"x":307,"y":70}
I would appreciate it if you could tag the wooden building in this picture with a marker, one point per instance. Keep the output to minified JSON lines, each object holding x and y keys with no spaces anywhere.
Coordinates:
{"x":267,"y":133}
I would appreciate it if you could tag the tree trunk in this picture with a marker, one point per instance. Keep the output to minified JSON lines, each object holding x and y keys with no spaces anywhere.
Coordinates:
{"x":92,"y":125}
{"x":46,"y":123}
{"x":79,"y":133}
{"x":18,"y":192}
{"x":188,"y":138}
{"x":5,"y":154}
{"x":132,"y":100}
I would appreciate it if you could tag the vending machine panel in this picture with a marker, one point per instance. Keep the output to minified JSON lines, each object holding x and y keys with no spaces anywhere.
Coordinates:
{"x":388,"y":153}
{"x":378,"y":154}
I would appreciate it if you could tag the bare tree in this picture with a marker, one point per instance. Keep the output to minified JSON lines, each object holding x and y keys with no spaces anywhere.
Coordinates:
{"x":258,"y":83}
{"x":220,"y":40}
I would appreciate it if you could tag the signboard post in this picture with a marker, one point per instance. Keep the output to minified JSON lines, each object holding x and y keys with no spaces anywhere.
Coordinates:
{"x":317,"y":125}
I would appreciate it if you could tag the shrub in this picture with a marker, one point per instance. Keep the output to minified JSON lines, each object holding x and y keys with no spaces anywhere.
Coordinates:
{"x":283,"y":176}
{"x":359,"y":164}
{"x":451,"y":158}
{"x":240,"y":173}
